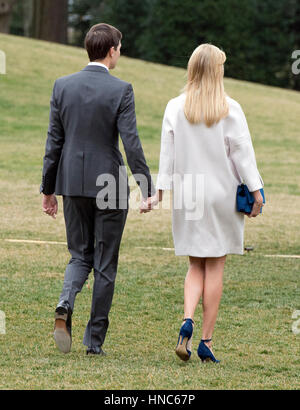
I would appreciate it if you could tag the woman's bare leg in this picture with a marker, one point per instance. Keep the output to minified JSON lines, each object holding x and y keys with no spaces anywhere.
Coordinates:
{"x":212,"y":293}
{"x":193,"y":285}
{"x":193,"y":289}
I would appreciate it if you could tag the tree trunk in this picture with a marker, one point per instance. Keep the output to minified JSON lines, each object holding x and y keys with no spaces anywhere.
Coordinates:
{"x":27,"y":17}
{"x":6,"y":7}
{"x":50,"y":20}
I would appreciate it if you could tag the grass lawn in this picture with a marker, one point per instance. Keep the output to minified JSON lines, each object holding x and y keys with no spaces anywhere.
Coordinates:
{"x":253,"y":336}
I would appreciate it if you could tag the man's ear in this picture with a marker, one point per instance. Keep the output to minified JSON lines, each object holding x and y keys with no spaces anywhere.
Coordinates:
{"x":111,"y":51}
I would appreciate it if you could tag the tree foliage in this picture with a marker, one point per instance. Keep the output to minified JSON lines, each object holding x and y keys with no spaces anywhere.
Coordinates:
{"x":130,"y":17}
{"x":257,"y":36}
{"x":82,"y":15}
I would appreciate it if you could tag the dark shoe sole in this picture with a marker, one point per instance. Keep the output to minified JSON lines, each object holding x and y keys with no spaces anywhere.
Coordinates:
{"x":206,"y":360}
{"x":96,"y":354}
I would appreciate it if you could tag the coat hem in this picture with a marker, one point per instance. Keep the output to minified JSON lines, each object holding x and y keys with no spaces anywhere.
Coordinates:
{"x":185,"y":252}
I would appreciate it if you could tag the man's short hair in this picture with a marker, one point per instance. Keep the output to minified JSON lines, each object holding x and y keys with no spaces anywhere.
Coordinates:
{"x":99,"y":40}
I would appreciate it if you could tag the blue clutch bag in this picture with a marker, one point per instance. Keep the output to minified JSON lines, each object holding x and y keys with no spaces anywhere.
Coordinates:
{"x":245,"y":200}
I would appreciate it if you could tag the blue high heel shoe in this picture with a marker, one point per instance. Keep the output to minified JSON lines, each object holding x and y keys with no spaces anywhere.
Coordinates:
{"x":205,"y":353}
{"x":185,"y":335}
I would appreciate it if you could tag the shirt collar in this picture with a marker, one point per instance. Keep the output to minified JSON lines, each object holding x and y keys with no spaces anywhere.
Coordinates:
{"x":99,"y":64}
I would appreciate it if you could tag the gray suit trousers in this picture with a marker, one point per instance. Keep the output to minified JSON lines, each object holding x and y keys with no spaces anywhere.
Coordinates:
{"x":94,"y":238}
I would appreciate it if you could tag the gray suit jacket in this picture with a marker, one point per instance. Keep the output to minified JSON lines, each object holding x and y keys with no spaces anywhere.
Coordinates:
{"x":88,"y":111}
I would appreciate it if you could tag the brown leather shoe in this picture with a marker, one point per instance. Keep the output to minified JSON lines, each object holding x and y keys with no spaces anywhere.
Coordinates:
{"x":62,"y":335}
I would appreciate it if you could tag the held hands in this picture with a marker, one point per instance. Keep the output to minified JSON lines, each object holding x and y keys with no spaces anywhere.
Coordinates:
{"x":50,"y":205}
{"x":148,"y":204}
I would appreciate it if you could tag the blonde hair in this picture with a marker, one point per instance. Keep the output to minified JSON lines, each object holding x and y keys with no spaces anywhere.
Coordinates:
{"x":205,"y":94}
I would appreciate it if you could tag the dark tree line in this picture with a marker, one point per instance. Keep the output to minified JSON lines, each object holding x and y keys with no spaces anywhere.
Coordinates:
{"x":6,"y":7}
{"x":42,"y":19}
{"x":257,"y":36}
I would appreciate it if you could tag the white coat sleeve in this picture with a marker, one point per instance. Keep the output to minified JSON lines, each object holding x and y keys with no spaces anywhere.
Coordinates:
{"x":241,"y":149}
{"x":166,"y":162}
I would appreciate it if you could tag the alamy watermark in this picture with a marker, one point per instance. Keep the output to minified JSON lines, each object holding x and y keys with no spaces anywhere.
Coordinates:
{"x":296,"y":323}
{"x":188,"y":196}
{"x":296,"y":63}
{"x":2,"y":62}
{"x":2,"y":323}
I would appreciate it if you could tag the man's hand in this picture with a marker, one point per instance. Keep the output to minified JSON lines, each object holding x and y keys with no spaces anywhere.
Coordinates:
{"x":50,"y":205}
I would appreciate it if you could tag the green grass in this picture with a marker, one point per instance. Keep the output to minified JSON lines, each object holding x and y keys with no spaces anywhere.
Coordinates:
{"x":253,"y":336}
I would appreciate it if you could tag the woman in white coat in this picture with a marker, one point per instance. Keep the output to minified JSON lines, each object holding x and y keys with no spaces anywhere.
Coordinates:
{"x":206,"y":152}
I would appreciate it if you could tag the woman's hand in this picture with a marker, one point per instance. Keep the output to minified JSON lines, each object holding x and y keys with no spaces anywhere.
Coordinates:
{"x":258,"y":204}
{"x":148,"y":204}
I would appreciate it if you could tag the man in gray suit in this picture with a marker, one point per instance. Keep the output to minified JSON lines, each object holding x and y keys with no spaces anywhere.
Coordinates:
{"x":83,"y":163}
